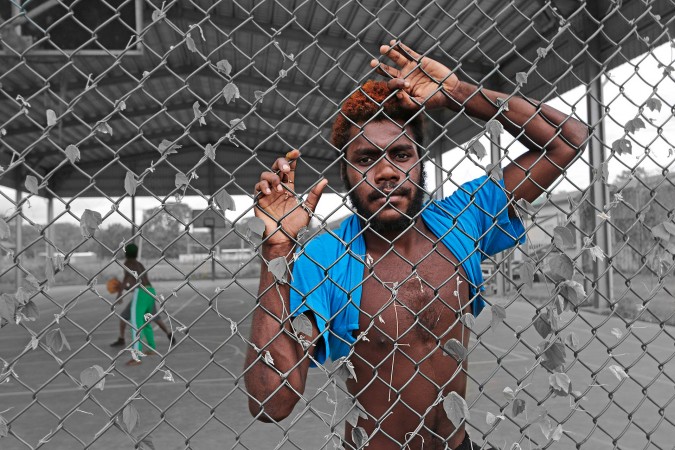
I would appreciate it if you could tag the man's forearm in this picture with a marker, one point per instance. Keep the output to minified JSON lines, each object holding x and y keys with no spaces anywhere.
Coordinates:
{"x":539,"y":127}
{"x":271,"y":332}
{"x":539,"y":122}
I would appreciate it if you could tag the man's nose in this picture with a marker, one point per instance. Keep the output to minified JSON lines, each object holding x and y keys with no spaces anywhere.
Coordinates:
{"x":386,"y":170}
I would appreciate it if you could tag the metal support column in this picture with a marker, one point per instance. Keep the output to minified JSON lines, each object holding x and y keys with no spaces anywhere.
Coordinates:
{"x":438,"y":172}
{"x":49,"y":229}
{"x":18,"y":232}
{"x":213,"y":253}
{"x":133,"y":215}
{"x":135,"y":228}
{"x":602,"y":270}
{"x":433,"y":152}
{"x":214,"y":247}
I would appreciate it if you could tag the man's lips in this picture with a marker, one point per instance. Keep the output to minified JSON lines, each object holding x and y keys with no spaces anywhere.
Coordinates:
{"x":388,"y":194}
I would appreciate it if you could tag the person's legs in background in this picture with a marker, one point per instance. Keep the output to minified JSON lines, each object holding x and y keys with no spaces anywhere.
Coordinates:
{"x":125,"y":317}
{"x":146,"y":305}
{"x":141,"y":304}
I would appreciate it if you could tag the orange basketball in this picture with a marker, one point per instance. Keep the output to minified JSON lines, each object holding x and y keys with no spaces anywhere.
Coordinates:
{"x":113,"y":285}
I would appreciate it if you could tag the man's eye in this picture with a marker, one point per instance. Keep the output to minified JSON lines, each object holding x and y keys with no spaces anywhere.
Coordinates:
{"x":366,"y":160}
{"x":402,"y":156}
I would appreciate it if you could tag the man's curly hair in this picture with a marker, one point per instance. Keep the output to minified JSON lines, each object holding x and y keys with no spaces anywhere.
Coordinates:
{"x":364,"y":104}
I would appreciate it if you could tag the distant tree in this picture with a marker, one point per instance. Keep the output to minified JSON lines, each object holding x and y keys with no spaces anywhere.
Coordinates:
{"x":647,"y":200}
{"x":68,"y":237}
{"x":162,"y":227}
{"x":109,"y":239}
{"x":229,"y":238}
{"x":31,"y":242}
{"x":200,"y":241}
{"x":627,"y":175}
{"x":225,"y":238}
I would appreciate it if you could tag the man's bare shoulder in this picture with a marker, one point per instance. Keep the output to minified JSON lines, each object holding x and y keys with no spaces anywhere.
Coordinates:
{"x":134,"y":265}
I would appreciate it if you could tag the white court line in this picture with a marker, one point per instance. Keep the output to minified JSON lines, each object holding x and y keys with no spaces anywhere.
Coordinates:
{"x":186,"y":304}
{"x":491,"y":361}
{"x":608,"y":337}
{"x":591,"y":438}
{"x":237,"y":350}
{"x":579,"y":326}
{"x":634,"y":374}
{"x":111,"y":357}
{"x":520,"y":356}
{"x":108,"y":386}
{"x":603,"y":331}
{"x":182,"y":307}
{"x":98,"y":333}
{"x":515,"y":353}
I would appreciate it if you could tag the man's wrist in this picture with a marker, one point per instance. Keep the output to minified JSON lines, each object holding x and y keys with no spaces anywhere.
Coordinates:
{"x":271,"y":251}
{"x":451,"y":85}
{"x":456,"y":94}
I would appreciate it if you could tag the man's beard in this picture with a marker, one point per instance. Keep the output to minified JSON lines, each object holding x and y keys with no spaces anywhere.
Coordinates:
{"x":389,"y":226}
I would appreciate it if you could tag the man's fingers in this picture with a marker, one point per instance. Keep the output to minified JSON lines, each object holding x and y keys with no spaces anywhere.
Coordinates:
{"x":292,"y":158}
{"x":286,"y":166}
{"x":408,"y":53}
{"x":287,"y":163}
{"x":385,"y":70}
{"x":263,"y":187}
{"x":281,"y":165}
{"x":408,"y":101}
{"x":273,"y":180}
{"x":398,"y":83}
{"x":315,"y":194}
{"x":393,"y":54}
{"x":399,"y":86}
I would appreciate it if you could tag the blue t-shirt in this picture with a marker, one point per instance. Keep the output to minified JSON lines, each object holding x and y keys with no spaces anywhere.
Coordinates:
{"x":473,"y":223}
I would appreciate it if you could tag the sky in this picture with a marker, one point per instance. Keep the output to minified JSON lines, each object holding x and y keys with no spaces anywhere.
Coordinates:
{"x":626,"y":90}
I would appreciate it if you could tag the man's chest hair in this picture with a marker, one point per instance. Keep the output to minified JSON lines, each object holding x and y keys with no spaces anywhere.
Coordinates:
{"x":397,"y":298}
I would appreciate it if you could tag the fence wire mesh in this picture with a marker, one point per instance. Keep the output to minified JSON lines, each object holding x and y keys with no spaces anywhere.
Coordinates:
{"x":433,"y":209}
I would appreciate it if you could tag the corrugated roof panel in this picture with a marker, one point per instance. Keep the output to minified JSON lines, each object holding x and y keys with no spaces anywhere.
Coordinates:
{"x":319,"y":75}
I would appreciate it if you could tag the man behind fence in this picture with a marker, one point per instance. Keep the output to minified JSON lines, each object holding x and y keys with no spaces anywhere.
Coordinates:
{"x":141,"y":304}
{"x":387,"y":290}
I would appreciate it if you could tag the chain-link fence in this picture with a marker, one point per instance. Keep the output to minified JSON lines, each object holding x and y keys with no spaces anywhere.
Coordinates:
{"x":450,"y":296}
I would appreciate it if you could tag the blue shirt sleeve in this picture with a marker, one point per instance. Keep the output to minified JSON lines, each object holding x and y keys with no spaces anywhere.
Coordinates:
{"x":310,"y":291}
{"x":484,"y":202}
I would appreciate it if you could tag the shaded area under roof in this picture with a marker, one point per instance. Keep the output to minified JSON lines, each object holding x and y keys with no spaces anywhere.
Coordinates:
{"x":292,"y":69}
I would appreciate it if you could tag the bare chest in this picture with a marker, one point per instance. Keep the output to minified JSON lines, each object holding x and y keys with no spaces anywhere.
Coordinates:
{"x":412,"y":302}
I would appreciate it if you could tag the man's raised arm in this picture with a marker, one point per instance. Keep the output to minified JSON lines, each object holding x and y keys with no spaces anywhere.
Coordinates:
{"x":552,"y":138}
{"x":275,"y":383}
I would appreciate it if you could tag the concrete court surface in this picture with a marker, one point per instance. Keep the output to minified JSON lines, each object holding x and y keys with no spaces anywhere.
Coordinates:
{"x":212,"y":413}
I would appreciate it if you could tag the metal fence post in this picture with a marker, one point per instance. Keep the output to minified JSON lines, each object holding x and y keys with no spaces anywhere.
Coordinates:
{"x":49,"y":231}
{"x":133,"y":215}
{"x":437,"y":156}
{"x":602,"y":269}
{"x":214,"y":247}
{"x":19,"y":228}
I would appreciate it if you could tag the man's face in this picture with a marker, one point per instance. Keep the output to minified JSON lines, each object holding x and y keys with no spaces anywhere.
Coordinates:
{"x":384,"y":175}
